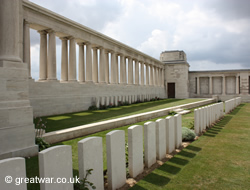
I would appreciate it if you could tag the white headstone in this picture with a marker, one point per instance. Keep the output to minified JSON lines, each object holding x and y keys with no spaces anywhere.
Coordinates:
{"x":90,"y":156}
{"x":56,"y":162}
{"x":116,"y":162}
{"x":149,"y":144}
{"x":160,"y":139}
{"x":135,"y":150}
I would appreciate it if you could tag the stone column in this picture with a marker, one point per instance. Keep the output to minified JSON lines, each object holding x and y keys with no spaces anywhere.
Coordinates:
{"x":72,"y":60}
{"x":147,"y":74}
{"x":107,"y":72}
{"x":88,"y":63}
{"x":113,"y":67}
{"x":155,"y":76}
{"x":122,"y":69}
{"x":16,"y":120}
{"x":162,"y":77}
{"x":151,"y":75}
{"x":142,"y":73}
{"x":26,"y":46}
{"x":64,"y":60}
{"x":52,"y":55}
{"x":210,"y":85}
{"x":198,"y":85}
{"x":136,"y":72}
{"x":81,"y":63}
{"x":95,"y":65}
{"x":224,"y":85}
{"x":102,"y":65}
{"x":130,"y":70}
{"x":237,"y":84}
{"x":43,"y":56}
{"x":116,"y":69}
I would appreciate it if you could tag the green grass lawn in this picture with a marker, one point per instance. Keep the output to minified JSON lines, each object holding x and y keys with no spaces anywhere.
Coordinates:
{"x":65,"y":121}
{"x":32,"y":163}
{"x":220,"y":159}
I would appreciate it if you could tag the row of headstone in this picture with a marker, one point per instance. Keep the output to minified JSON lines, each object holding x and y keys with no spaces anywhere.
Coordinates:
{"x":205,"y":116}
{"x":231,"y":104}
{"x":114,"y":100}
{"x":158,"y":138}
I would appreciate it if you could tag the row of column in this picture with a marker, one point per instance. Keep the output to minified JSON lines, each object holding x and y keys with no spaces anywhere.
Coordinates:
{"x":223,"y":85}
{"x":96,"y":64}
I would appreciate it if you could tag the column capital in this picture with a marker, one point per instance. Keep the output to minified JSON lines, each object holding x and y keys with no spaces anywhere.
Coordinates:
{"x":42,"y":32}
{"x":51,"y":31}
{"x":80,"y":43}
{"x":63,"y":38}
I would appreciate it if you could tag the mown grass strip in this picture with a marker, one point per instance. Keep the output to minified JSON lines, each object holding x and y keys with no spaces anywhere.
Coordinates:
{"x":217,"y":160}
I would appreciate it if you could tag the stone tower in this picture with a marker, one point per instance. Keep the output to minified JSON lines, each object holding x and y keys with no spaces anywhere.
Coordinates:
{"x":176,"y":73}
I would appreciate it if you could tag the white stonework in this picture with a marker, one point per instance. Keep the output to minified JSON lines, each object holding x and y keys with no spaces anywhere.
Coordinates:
{"x":170,"y":134}
{"x":116,"y":163}
{"x":23,"y":97}
{"x":90,"y":156}
{"x":135,"y":150}
{"x":56,"y":162}
{"x":15,"y":168}
{"x":149,"y":144}
{"x":160,"y":139}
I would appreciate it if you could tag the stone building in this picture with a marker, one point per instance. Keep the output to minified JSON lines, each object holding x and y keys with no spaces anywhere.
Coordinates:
{"x":222,"y":84}
{"x":108,"y":70}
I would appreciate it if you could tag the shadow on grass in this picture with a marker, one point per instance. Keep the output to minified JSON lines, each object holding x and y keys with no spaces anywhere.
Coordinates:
{"x":212,"y":132}
{"x":237,"y":109}
{"x":157,"y":179}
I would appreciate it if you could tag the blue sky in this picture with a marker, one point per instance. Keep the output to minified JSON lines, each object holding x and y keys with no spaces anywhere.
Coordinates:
{"x":213,"y":33}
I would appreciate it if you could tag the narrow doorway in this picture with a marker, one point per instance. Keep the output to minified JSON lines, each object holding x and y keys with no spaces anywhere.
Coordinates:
{"x":171,"y":90}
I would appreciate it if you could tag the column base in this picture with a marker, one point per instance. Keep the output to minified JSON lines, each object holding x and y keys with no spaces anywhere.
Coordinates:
{"x":72,"y":81}
{"x":26,"y":152}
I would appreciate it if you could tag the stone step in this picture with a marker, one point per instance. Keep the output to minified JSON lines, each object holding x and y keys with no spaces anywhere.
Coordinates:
{"x":181,"y":111}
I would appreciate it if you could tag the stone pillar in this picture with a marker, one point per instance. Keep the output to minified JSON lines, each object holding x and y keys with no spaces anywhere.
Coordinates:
{"x":130,"y":70}
{"x":151,"y":75}
{"x":107,"y":72}
{"x":136,"y":72}
{"x":72,"y":60}
{"x":88,"y":63}
{"x":155,"y":76}
{"x":237,"y":84}
{"x":52,"y":55}
{"x":43,"y":56}
{"x":81,"y":63}
{"x":102,"y":65}
{"x":224,"y":85}
{"x":147,"y":74}
{"x":142,"y":73}
{"x":210,"y":85}
{"x":116,"y":69}
{"x":64,"y":60}
{"x":95,"y":65}
{"x":113,"y":68}
{"x":163,"y":77}
{"x":16,"y":115}
{"x":198,"y":85}
{"x":26,"y":46}
{"x":122,"y":69}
